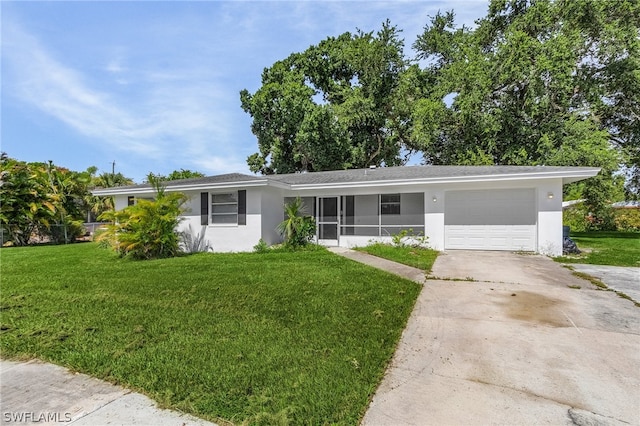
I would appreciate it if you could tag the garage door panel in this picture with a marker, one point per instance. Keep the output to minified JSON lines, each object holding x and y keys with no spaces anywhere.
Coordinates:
{"x":491,"y":220}
{"x":490,"y":207}
{"x":480,"y":237}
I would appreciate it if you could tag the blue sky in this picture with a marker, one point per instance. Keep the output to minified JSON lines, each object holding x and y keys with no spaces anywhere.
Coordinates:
{"x":154,"y":86}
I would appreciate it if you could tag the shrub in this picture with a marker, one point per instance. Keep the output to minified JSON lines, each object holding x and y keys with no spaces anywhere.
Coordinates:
{"x":66,"y":232}
{"x":194,"y":242}
{"x":627,"y":220}
{"x":146,"y":230}
{"x":297,"y":229}
{"x":575,"y":216}
{"x":406,"y":238}
{"x":261,"y":247}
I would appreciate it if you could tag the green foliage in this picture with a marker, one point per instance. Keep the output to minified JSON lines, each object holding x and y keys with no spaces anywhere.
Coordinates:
{"x":99,"y":205}
{"x":407,"y":238}
{"x":232,"y":338}
{"x":581,"y":219}
{"x":298,"y":229}
{"x":184,"y":174}
{"x":194,"y":242}
{"x":179,"y":175}
{"x":360,"y":119}
{"x":146,"y":230}
{"x":606,"y":248}
{"x":537,"y":82}
{"x":544,"y":82}
{"x":41,"y":201}
{"x":261,"y":246}
{"x":575,"y":217}
{"x":627,"y":220}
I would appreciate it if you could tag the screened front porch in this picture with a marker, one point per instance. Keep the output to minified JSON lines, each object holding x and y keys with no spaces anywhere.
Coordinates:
{"x":375,"y":215}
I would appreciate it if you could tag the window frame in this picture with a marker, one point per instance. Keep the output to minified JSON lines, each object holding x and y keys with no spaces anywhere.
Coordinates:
{"x":392,"y":207}
{"x":213,"y":204}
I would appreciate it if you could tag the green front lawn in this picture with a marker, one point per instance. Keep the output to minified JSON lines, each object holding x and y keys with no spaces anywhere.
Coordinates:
{"x":421,"y":258}
{"x":257,"y":338}
{"x":606,"y":248}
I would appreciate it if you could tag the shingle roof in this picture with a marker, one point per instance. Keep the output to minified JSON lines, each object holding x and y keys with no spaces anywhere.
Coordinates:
{"x":412,"y":173}
{"x":217,"y":179}
{"x":363,"y":176}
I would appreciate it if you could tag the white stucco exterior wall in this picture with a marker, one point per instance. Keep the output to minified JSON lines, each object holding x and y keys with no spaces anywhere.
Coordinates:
{"x":120,"y":201}
{"x":550,"y":217}
{"x":434,"y":217}
{"x":264,"y":212}
{"x":228,"y":237}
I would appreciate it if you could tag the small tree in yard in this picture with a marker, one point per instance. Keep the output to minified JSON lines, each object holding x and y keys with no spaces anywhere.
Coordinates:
{"x":146,"y":230}
{"x":297,"y":229}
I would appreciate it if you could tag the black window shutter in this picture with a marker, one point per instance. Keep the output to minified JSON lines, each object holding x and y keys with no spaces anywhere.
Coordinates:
{"x":204,"y":208}
{"x":242,"y":207}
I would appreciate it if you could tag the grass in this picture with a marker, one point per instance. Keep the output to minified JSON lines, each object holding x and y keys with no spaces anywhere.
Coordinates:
{"x":606,"y":248}
{"x":421,"y":258}
{"x":269,"y":338}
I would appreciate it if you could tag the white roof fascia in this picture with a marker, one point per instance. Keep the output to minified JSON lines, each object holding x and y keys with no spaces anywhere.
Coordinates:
{"x":174,"y":188}
{"x":278,"y":184}
{"x":570,"y":177}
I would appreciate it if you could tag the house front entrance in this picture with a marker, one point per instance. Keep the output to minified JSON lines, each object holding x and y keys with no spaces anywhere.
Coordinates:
{"x":328,"y":220}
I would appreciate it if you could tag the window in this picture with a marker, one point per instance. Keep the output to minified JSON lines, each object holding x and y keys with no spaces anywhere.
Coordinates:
{"x":389,"y":204}
{"x":132,"y":201}
{"x":224,"y":208}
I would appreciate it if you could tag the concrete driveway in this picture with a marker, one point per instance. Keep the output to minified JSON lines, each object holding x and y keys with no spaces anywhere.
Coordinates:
{"x":619,"y":278}
{"x":515,"y":346}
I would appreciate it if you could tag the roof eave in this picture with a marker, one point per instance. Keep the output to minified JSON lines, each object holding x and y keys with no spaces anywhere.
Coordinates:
{"x":173,"y":188}
{"x":574,"y":176}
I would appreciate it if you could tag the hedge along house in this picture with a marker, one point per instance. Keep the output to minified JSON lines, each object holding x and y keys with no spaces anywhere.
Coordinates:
{"x":457,"y":207}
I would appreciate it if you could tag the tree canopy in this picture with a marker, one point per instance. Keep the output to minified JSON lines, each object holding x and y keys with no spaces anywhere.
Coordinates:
{"x":176,"y":175}
{"x":536,"y":82}
{"x":331,"y":106}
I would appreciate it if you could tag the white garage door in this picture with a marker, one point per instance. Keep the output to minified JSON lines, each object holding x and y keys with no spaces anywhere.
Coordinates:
{"x":502,"y":219}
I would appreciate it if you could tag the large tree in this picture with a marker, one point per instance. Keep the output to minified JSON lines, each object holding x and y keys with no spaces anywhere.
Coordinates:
{"x":536,"y":82}
{"x":333,"y":106}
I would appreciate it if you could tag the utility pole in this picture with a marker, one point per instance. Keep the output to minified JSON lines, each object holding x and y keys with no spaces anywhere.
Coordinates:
{"x":113,"y":168}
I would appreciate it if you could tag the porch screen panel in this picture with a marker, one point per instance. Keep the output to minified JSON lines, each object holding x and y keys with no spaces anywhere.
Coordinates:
{"x":347,"y":215}
{"x":383,"y":214}
{"x":366,"y":215}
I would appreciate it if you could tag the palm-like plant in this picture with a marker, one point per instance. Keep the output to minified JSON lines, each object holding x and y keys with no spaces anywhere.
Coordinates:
{"x":99,"y":205}
{"x":298,"y":229}
{"x":146,"y":230}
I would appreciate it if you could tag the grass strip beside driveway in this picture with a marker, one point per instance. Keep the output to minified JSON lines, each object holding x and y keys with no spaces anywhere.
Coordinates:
{"x":259,"y":338}
{"x":605,"y":248}
{"x":417,"y":257}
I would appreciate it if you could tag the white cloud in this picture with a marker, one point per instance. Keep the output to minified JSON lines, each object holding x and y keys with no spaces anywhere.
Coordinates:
{"x":167,"y":117}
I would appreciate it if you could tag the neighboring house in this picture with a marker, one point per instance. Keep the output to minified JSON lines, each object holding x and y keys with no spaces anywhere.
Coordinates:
{"x":457,"y":207}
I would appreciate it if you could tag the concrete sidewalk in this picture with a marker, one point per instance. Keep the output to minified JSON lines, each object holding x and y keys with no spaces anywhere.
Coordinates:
{"x":408,"y":272}
{"x":39,"y":393}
